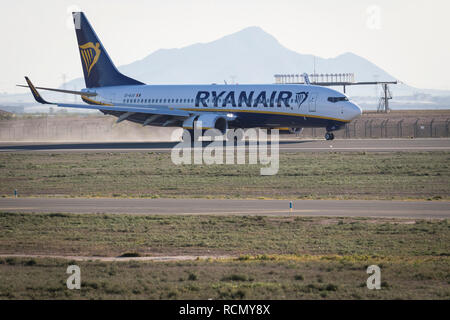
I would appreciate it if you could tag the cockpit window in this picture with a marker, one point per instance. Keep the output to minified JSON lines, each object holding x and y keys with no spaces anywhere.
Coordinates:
{"x":336,"y":99}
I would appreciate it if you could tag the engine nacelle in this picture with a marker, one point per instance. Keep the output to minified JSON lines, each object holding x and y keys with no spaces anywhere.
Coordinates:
{"x":207,"y":121}
{"x":295,"y":130}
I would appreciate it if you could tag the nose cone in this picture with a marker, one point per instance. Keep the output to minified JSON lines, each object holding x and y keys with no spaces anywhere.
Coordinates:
{"x":355,"y":110}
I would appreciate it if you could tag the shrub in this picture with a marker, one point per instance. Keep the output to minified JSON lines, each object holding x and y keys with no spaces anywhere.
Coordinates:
{"x":130,"y":255}
{"x":192,"y":277}
{"x":331,"y":287}
{"x":236,"y":277}
{"x":30,"y":262}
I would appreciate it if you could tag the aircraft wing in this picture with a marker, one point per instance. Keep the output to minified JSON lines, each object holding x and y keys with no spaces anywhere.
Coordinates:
{"x":149,"y":109}
{"x":161,"y":110}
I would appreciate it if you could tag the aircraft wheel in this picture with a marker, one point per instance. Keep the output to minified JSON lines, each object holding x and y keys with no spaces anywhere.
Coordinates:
{"x":329,"y":136}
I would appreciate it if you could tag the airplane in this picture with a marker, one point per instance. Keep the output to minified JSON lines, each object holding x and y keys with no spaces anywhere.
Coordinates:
{"x":222,"y":107}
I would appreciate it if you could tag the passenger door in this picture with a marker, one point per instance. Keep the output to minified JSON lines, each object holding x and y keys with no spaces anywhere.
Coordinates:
{"x":312,"y":102}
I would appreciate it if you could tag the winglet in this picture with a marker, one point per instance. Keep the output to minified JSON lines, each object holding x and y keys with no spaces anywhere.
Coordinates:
{"x":36,"y":94}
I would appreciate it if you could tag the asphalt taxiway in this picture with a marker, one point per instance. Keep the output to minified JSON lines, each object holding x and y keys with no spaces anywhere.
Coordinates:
{"x":344,"y":208}
{"x":291,"y":145}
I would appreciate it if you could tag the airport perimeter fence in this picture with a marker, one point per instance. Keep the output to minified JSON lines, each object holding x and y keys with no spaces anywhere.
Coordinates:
{"x":387,"y":128}
{"x":77,"y":129}
{"x":44,"y":130}
{"x":92,"y":129}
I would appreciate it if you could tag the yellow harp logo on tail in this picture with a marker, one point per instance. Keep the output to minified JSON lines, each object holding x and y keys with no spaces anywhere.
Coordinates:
{"x":90,"y":54}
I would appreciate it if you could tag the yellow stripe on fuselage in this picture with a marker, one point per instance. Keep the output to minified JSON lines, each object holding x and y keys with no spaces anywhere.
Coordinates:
{"x":90,"y":101}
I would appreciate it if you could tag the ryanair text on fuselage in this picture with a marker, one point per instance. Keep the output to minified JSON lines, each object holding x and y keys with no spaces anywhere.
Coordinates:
{"x":248,"y":99}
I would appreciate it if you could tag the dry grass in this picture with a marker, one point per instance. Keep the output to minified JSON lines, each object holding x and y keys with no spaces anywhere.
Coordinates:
{"x":301,"y":176}
{"x":282,"y":258}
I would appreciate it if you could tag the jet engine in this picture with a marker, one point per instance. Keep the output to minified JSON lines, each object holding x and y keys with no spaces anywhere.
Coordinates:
{"x":207,"y":121}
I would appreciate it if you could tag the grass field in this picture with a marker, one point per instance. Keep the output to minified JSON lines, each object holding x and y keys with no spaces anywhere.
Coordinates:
{"x":270,"y":257}
{"x":274,"y":258}
{"x":301,"y":176}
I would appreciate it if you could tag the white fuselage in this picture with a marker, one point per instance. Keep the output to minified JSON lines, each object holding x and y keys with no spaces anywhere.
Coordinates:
{"x":252,"y":105}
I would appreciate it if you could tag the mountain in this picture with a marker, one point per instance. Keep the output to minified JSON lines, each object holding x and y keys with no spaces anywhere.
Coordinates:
{"x":248,"y":56}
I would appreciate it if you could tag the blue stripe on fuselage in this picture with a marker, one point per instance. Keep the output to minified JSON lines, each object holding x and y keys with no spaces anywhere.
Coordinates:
{"x":249,"y":120}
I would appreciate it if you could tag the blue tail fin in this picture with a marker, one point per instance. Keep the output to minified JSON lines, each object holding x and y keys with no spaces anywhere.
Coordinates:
{"x":99,"y":71}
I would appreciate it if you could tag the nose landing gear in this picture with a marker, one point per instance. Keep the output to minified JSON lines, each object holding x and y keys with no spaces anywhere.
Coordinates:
{"x":329,"y":136}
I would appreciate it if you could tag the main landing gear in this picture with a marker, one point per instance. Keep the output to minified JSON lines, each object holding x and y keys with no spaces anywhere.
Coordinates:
{"x":329,"y":136}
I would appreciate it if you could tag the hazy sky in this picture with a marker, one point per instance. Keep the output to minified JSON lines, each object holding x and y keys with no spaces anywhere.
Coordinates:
{"x":407,"y":38}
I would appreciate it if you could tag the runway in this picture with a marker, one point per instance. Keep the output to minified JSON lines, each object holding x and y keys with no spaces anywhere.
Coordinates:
{"x":291,"y":145}
{"x":344,"y":208}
